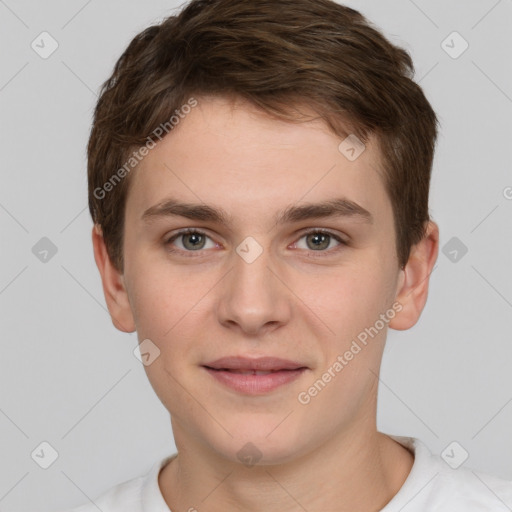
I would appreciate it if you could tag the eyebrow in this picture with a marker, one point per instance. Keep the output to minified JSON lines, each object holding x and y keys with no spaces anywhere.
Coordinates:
{"x":339,"y":207}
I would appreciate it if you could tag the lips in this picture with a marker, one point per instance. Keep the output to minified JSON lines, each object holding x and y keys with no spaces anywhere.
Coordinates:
{"x":257,"y":376}
{"x":254,"y":366}
{"x":248,"y":372}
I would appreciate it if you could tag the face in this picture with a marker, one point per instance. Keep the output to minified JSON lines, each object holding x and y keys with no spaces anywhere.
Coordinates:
{"x":248,"y":237}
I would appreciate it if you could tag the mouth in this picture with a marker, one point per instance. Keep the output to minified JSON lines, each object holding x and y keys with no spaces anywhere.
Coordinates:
{"x":248,"y":372}
{"x":254,"y":376}
{"x":258,"y":364}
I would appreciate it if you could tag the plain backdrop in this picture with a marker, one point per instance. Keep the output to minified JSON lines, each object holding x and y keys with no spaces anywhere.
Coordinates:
{"x":70,"y":379}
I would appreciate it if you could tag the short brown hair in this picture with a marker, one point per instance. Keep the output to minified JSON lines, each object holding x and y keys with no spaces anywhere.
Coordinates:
{"x":276,"y":54}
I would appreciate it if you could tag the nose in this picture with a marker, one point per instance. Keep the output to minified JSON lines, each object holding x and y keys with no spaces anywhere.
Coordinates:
{"x":253,"y":298}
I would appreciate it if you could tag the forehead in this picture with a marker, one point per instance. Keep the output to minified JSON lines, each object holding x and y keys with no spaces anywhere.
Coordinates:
{"x":232,"y":156}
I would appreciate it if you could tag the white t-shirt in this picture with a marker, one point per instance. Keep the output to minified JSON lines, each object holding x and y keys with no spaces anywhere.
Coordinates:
{"x":431,"y":486}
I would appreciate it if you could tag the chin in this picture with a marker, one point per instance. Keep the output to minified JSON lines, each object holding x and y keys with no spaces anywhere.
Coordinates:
{"x":258,"y":443}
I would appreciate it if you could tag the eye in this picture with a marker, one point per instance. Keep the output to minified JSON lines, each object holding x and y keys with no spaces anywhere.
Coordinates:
{"x":194,"y":240}
{"x":319,"y":241}
{"x":191,"y":240}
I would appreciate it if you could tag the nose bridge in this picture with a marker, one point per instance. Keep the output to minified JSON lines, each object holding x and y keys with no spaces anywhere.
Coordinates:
{"x":253,"y":298}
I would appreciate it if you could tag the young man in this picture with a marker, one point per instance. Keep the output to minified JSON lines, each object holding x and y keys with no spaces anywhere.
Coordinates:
{"x":258,"y":179}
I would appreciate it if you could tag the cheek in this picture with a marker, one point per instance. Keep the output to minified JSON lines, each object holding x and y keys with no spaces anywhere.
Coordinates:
{"x":163,"y":295}
{"x":350,"y":303}
{"x":349,"y":298}
{"x":166,"y":312}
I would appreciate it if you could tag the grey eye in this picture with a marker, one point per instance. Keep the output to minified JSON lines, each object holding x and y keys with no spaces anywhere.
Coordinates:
{"x":193,"y":241}
{"x":318,"y":241}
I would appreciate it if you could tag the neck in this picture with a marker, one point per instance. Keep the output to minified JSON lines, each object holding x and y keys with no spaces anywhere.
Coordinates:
{"x":357,"y":470}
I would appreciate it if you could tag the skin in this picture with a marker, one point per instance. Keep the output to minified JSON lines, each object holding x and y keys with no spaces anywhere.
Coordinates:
{"x":294,"y":301}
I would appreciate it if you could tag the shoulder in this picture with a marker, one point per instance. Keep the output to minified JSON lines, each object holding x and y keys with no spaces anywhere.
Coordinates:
{"x":122,"y":497}
{"x":134,"y":495}
{"x":472,"y":490}
{"x":437,"y":485}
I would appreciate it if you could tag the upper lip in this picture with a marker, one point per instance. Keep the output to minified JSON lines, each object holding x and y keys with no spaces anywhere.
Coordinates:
{"x":258,"y":363}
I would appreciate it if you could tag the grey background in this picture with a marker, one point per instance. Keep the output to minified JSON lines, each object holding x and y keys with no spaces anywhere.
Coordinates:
{"x":69,"y":378}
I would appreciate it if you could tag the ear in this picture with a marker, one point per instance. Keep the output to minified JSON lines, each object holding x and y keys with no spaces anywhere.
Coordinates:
{"x":414,"y":279}
{"x":114,"y":289}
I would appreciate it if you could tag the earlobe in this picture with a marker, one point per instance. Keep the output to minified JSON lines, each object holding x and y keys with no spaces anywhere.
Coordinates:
{"x":414,"y":279}
{"x":114,"y":289}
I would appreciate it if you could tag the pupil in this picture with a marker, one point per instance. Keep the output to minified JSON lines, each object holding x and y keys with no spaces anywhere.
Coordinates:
{"x":319,"y":240}
{"x":193,"y":241}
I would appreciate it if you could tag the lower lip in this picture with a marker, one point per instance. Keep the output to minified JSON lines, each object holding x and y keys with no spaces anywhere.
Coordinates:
{"x":255,"y":384}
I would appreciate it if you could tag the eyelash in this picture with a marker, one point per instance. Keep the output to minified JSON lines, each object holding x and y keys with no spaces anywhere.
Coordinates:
{"x":199,"y":252}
